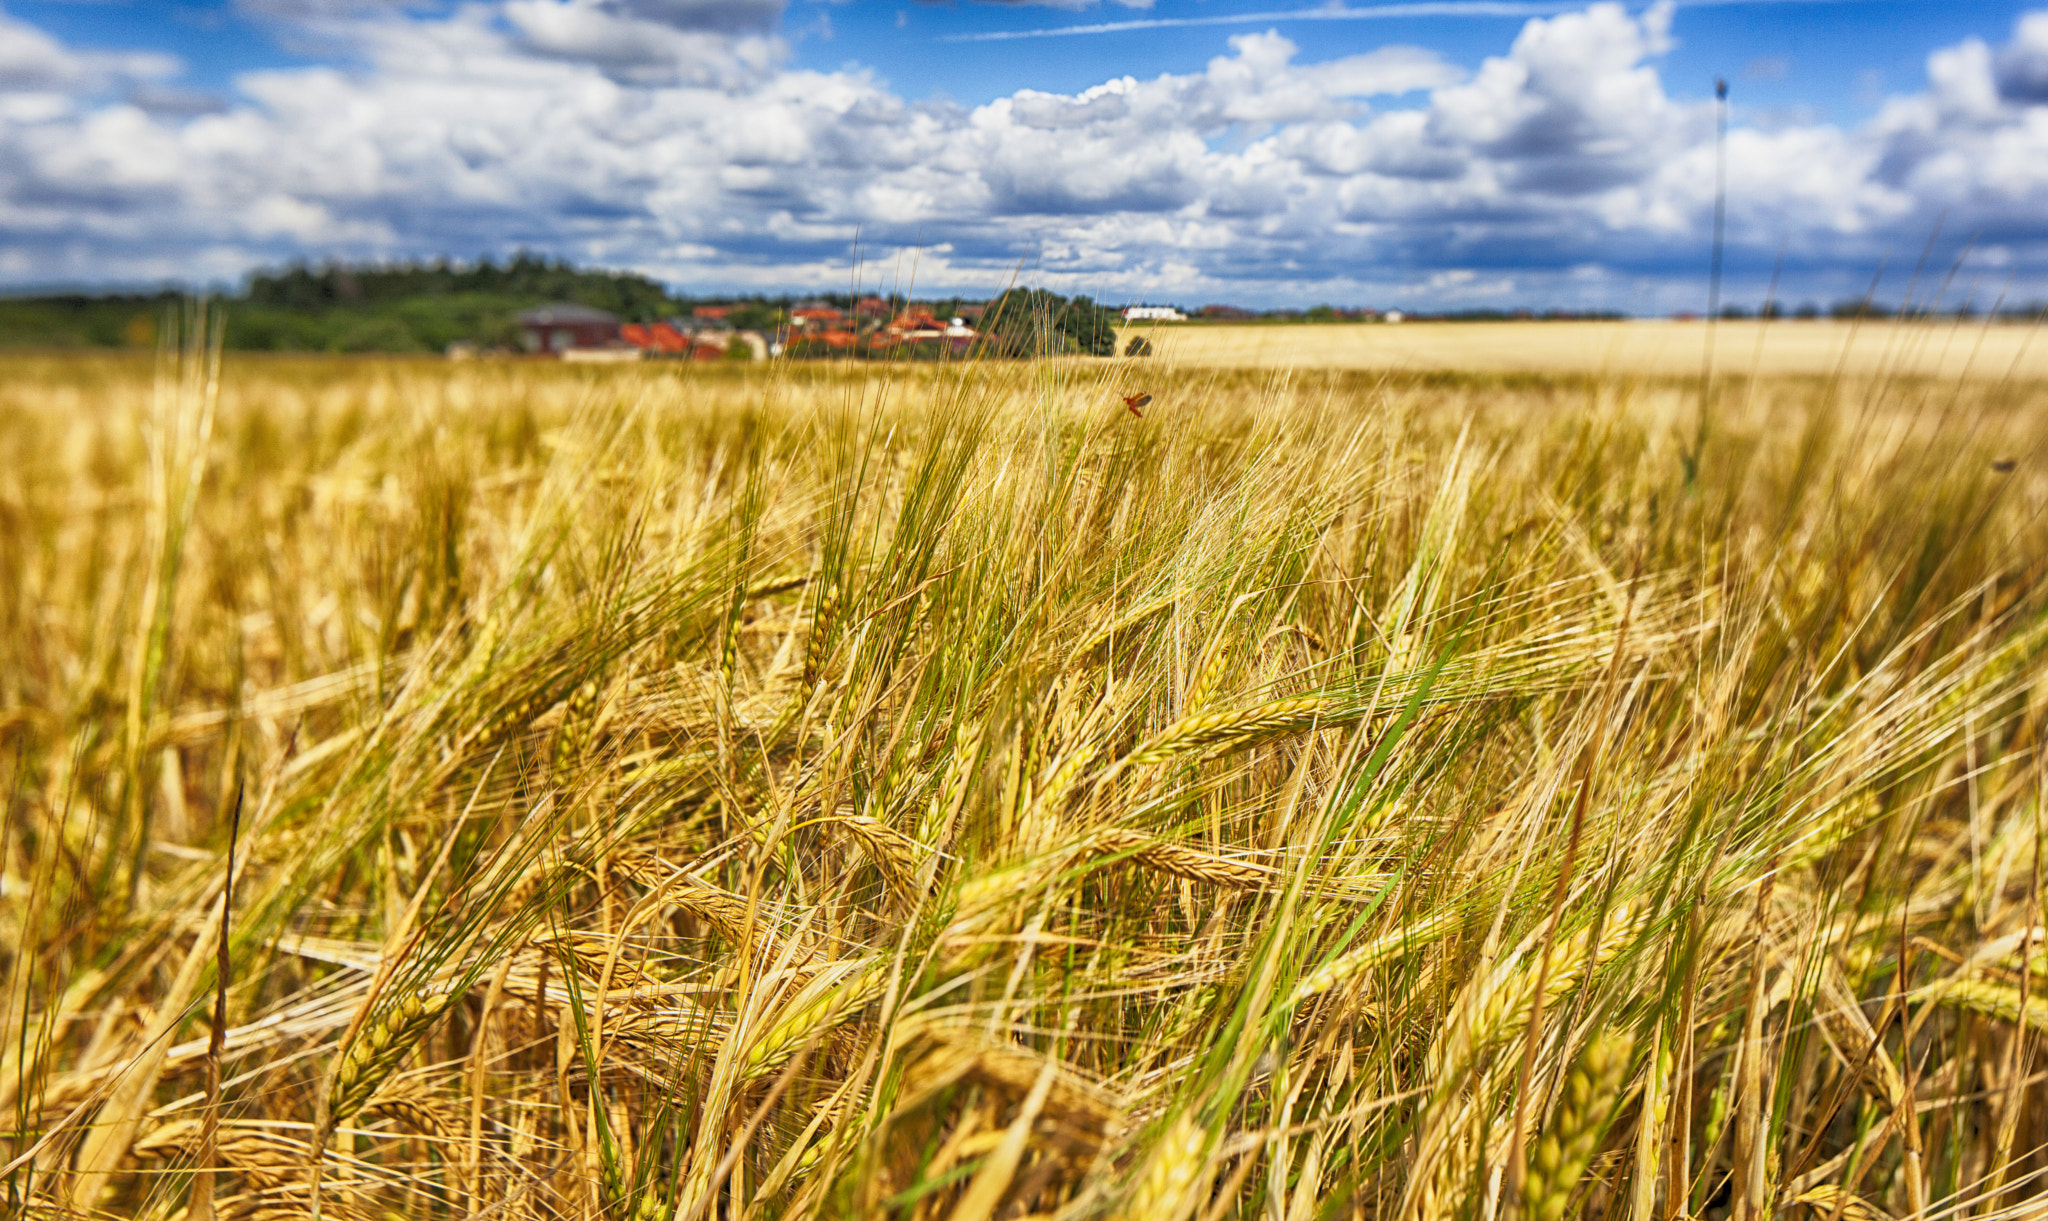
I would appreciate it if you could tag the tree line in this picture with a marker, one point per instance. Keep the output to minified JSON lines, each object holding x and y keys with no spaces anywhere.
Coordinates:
{"x":421,"y":307}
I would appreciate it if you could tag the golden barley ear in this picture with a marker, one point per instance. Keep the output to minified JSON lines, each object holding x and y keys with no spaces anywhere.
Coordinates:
{"x":383,"y":1043}
{"x":1177,"y":860}
{"x":1828,"y":1200}
{"x":1220,"y":732}
{"x":1078,"y":1114}
{"x":406,"y":1102}
{"x":894,"y":853}
{"x":1592,"y":1093}
{"x":1129,"y":624}
{"x":823,"y":619}
{"x":273,"y":1167}
{"x":1166,"y":1186}
{"x":578,"y":712}
{"x":511,"y":718}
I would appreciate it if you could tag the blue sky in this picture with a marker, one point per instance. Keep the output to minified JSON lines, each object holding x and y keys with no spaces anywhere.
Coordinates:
{"x":1830,"y":57}
{"x":1497,"y":153}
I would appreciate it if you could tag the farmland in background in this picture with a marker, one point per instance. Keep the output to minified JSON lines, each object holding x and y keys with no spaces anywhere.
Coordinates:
{"x":1949,"y":349}
{"x":937,"y":792}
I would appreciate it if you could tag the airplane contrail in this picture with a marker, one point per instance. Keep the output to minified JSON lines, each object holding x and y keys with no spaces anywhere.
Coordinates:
{"x":1375,"y":12}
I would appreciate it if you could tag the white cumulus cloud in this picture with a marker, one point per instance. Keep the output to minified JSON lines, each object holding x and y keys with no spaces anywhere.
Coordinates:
{"x":671,"y":135}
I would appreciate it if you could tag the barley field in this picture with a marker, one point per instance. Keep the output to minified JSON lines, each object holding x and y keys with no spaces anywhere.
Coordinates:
{"x":1947,"y":349}
{"x":509,"y":790}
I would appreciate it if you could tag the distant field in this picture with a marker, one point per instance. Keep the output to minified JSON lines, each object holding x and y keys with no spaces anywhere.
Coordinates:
{"x":1627,"y":348}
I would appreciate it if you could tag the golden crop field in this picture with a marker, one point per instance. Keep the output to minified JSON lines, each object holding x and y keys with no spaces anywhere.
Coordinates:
{"x":511,"y":790}
{"x":1947,"y":349}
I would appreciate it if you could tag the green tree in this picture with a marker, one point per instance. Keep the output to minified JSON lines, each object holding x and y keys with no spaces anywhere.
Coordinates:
{"x":1035,"y":321}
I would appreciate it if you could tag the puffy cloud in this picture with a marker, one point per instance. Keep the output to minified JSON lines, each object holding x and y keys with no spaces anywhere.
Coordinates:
{"x":31,"y":60}
{"x":652,"y":42}
{"x":721,"y":16}
{"x":670,"y":135}
{"x":1572,"y":108}
{"x":2023,"y":63}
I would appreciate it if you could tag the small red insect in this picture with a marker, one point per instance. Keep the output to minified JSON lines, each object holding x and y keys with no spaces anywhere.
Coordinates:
{"x":1135,"y":401}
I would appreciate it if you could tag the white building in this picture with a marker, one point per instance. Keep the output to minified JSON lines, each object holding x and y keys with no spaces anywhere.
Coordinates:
{"x":1153,"y":313}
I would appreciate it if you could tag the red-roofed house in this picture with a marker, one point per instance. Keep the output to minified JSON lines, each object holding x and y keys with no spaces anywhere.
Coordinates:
{"x":662,"y":339}
{"x":819,"y":315}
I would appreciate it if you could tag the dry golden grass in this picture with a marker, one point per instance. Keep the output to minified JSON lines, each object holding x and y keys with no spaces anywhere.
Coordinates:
{"x":928,"y":793}
{"x":1944,"y":350}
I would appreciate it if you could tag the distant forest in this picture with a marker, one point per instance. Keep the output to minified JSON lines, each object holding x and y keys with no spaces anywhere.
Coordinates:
{"x":403,"y":307}
{"x":425,"y":307}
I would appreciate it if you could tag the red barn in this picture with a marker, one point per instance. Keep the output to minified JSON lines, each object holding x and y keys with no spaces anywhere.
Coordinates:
{"x":561,"y":326}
